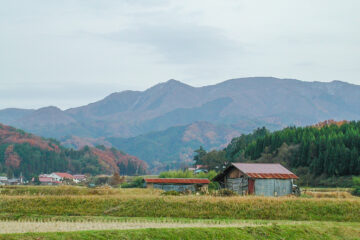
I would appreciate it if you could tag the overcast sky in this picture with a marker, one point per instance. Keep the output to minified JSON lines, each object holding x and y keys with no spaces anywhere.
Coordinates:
{"x":71,"y":52}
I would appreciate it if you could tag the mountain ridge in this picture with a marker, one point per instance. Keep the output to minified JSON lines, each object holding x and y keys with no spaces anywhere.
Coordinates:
{"x":274,"y":101}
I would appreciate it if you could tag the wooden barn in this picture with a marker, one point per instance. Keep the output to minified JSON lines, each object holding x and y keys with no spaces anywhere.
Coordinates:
{"x":262,"y":179}
{"x":178,"y":184}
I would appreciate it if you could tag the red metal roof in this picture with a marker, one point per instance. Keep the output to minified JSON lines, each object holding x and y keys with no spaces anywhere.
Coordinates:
{"x":64,"y":175}
{"x":45,"y":179}
{"x":265,"y":170}
{"x":177,"y":180}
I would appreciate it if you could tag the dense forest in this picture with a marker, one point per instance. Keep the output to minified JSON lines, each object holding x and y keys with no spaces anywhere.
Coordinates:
{"x":29,"y":155}
{"x":321,"y":155}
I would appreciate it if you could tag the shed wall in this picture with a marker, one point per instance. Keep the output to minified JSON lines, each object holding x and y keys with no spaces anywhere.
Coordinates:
{"x":239,"y":185}
{"x":175,"y":187}
{"x":273,"y":187}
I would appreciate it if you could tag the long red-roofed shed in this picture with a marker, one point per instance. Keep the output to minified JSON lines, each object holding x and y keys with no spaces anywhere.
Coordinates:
{"x":178,"y":180}
{"x":177,"y":184}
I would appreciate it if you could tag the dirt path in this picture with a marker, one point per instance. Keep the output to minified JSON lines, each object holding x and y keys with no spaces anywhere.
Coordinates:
{"x":23,"y":227}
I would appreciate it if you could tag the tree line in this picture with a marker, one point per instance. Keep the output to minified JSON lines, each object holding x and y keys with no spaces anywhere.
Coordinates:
{"x":329,"y":150}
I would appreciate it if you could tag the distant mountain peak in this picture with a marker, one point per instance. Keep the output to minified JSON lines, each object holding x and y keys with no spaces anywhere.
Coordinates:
{"x":174,"y":81}
{"x":49,"y":109}
{"x":338,"y":82}
{"x":171,"y":83}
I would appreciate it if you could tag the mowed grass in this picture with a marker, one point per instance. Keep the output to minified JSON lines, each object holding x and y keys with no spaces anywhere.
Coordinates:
{"x":147,"y":203}
{"x":265,"y":232}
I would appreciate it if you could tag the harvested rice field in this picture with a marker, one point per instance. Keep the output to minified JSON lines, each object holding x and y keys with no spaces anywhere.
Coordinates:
{"x":82,"y":213}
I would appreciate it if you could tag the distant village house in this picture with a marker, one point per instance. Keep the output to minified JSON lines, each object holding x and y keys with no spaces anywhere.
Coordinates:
{"x":198,"y":169}
{"x":59,"y":177}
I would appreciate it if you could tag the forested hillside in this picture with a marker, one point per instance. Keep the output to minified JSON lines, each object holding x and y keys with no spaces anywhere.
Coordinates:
{"x":315,"y":153}
{"x":174,"y":147}
{"x":21,"y":152}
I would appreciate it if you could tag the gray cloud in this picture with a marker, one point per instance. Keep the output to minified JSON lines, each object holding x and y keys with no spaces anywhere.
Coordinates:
{"x":182,"y":44}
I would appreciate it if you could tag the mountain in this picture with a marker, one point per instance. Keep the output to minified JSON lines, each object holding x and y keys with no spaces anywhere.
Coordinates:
{"x":174,"y":147}
{"x":273,"y":102}
{"x":10,"y":115}
{"x":170,"y":148}
{"x":25,"y":153}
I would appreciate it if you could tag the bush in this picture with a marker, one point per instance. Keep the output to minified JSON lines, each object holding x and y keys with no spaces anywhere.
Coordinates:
{"x":187,"y":174}
{"x":356,"y":185}
{"x":214,"y":186}
{"x":137,"y":182}
{"x":225,"y":193}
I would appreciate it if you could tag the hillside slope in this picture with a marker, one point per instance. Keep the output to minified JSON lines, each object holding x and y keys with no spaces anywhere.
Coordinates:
{"x":273,"y":102}
{"x":21,"y":152}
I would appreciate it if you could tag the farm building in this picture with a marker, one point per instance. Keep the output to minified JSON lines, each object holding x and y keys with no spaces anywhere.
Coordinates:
{"x":178,"y":184}
{"x":262,"y":179}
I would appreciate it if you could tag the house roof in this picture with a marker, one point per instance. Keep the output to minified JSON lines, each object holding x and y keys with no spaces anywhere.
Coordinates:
{"x":178,"y":180}
{"x":13,"y":180}
{"x":260,"y":170}
{"x":64,"y":175}
{"x":201,"y":166}
{"x":45,"y":179}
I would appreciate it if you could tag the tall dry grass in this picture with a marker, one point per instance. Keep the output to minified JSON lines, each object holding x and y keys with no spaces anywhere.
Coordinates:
{"x":341,"y":194}
{"x":147,"y":205}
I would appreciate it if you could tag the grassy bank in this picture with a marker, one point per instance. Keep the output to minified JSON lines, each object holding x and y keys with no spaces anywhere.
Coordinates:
{"x":268,"y":232}
{"x":184,"y":207}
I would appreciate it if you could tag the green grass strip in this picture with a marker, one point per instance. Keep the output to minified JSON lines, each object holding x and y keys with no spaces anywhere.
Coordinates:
{"x":269,"y":232}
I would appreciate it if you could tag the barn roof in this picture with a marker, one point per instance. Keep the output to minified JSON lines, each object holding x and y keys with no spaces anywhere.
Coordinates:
{"x":178,"y":180}
{"x":260,"y":170}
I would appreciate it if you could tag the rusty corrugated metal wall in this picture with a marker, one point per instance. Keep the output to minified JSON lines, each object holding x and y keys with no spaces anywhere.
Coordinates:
{"x":239,"y":185}
{"x":273,"y":187}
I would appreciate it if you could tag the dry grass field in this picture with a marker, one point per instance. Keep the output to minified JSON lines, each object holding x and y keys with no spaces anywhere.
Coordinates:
{"x":66,"y":208}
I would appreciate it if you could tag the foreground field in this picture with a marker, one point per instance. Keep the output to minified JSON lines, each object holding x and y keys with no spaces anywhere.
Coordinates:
{"x":185,"y":207}
{"x":146,"y":214}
